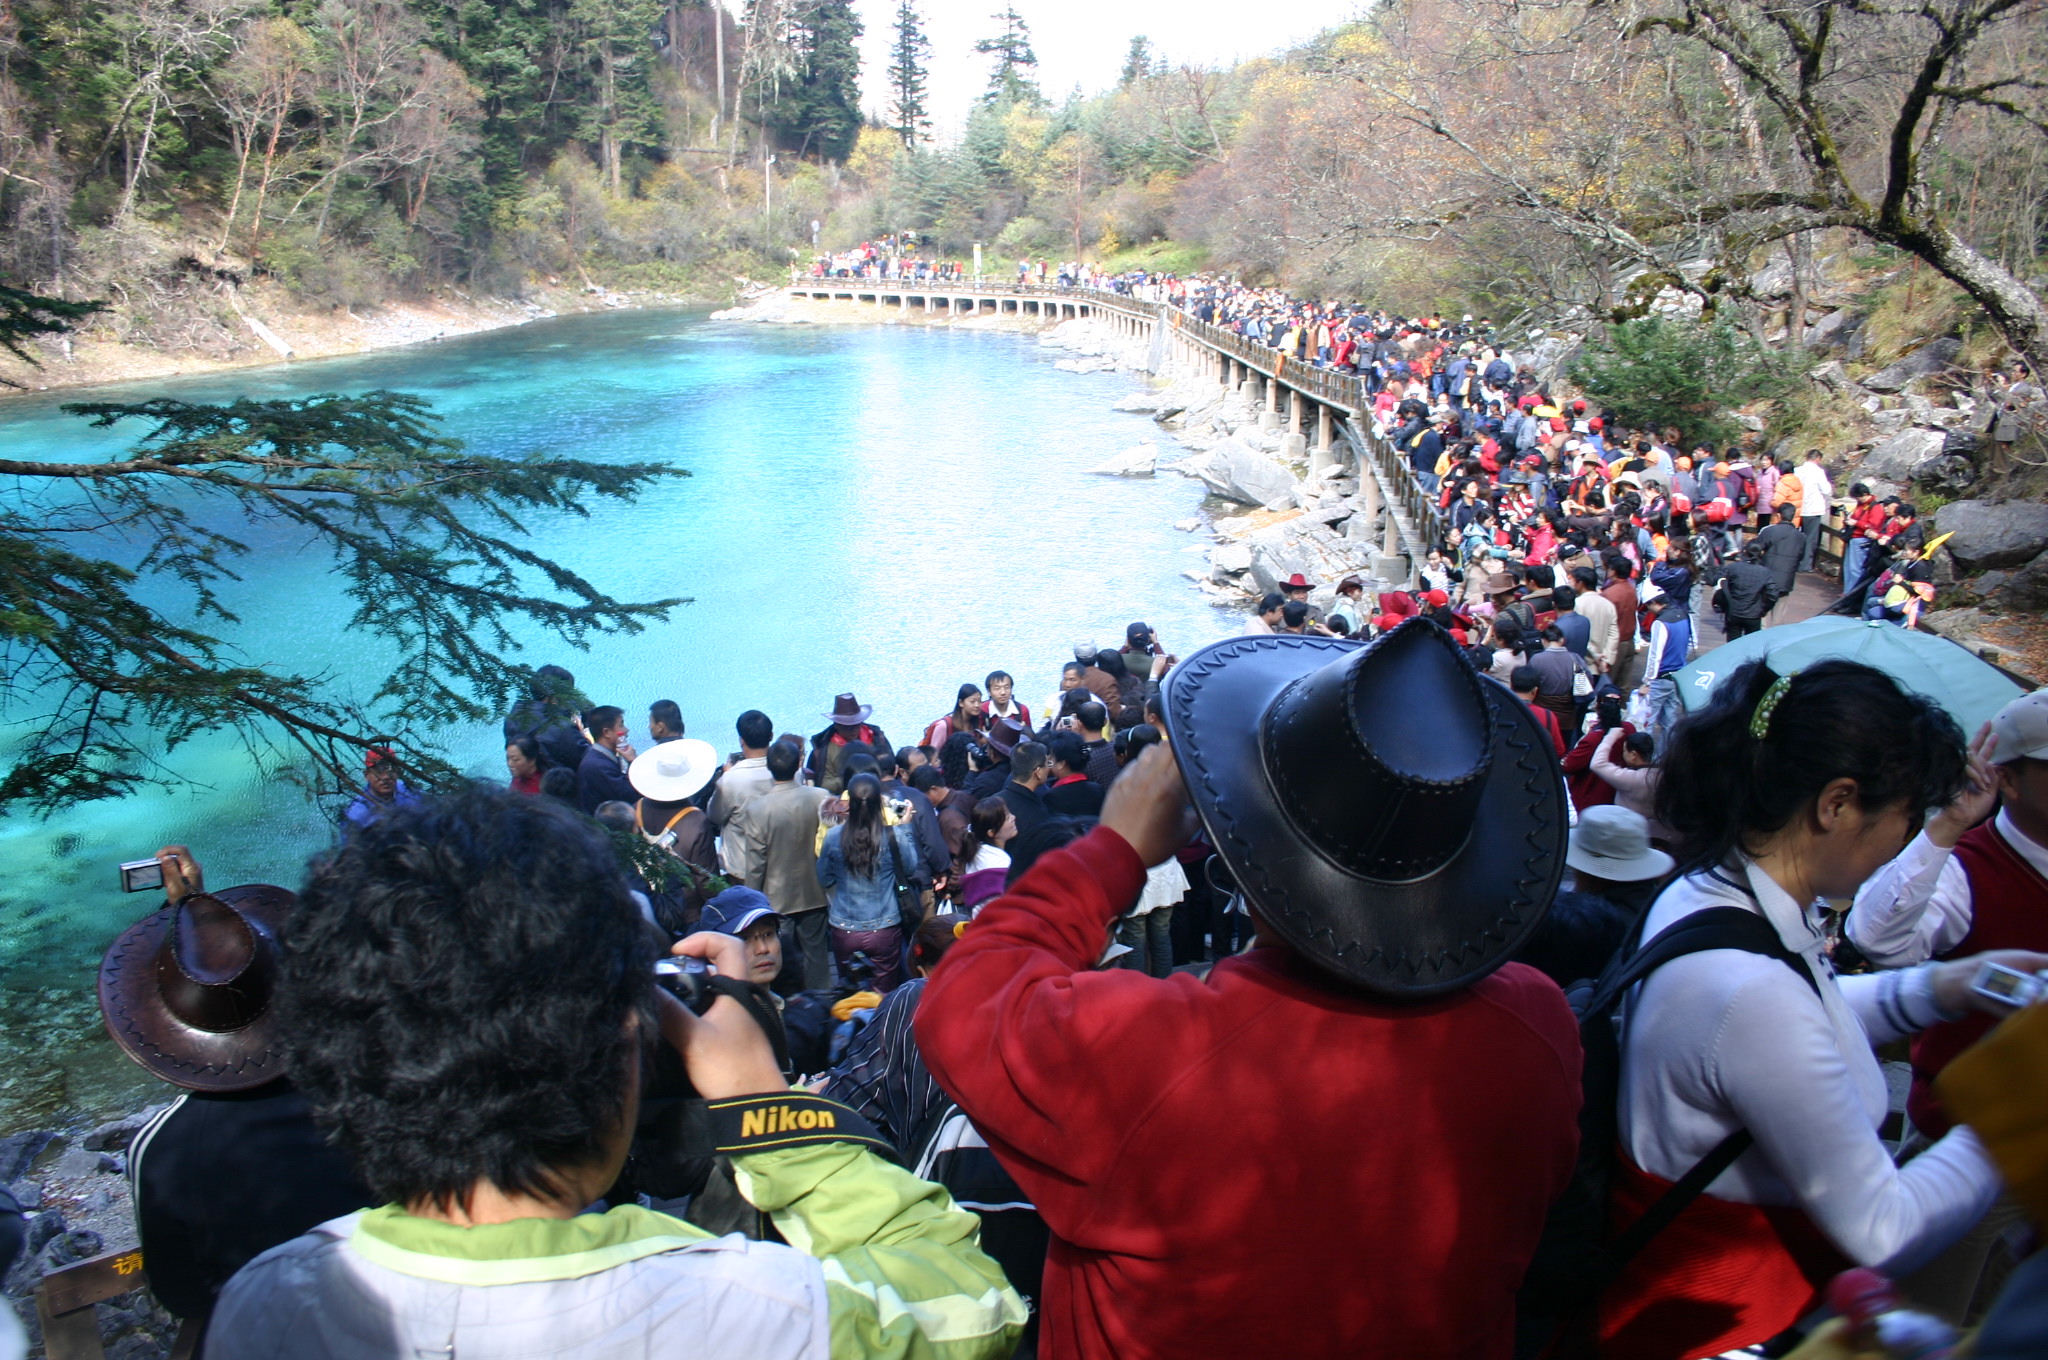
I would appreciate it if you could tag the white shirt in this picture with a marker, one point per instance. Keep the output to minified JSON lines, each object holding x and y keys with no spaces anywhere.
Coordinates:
{"x":1726,"y":1039}
{"x":1604,"y":642}
{"x":1814,"y":490}
{"x":1918,"y":906}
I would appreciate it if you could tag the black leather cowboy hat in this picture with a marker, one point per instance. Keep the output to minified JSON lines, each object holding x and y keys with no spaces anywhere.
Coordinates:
{"x":187,"y":990}
{"x":1398,"y":817}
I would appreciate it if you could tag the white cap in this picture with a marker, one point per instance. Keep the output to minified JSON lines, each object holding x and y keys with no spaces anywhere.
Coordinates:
{"x":2021,"y":729}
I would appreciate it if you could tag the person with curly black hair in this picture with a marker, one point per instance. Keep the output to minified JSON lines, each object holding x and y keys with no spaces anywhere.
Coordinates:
{"x":467,"y":997}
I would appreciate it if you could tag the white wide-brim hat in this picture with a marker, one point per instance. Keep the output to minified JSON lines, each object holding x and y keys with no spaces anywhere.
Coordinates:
{"x":1612,"y":842}
{"x":674,"y":770}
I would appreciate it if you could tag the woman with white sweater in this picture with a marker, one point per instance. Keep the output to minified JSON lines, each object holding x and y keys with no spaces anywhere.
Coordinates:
{"x":1784,"y":792}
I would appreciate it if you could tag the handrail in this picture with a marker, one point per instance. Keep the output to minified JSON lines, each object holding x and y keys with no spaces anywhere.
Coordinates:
{"x":1336,"y":389}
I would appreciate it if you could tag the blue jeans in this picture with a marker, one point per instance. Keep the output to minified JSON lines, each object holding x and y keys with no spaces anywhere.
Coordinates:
{"x":1665,"y":709}
{"x":1151,"y":940}
{"x":1853,"y":558}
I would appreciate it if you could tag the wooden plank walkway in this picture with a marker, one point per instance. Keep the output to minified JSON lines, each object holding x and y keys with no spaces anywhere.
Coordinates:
{"x":1811,"y":593}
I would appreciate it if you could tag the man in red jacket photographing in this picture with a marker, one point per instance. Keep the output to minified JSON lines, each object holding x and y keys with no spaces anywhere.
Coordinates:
{"x":1344,"y":1140}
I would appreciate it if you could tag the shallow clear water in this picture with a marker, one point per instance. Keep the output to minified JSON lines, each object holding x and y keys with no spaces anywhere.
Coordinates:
{"x":890,"y":510}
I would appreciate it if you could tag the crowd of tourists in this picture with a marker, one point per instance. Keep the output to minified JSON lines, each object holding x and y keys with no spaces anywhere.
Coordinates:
{"x":1408,"y":975}
{"x":1134,"y":1007}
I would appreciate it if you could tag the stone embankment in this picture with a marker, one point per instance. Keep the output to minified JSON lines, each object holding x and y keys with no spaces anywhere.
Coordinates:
{"x":1270,"y":515}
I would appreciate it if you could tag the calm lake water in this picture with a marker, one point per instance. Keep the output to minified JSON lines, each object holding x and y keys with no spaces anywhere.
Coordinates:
{"x":890,"y":510}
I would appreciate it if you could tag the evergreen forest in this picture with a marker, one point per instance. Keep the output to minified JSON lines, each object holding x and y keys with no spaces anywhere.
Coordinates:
{"x":1562,"y":161}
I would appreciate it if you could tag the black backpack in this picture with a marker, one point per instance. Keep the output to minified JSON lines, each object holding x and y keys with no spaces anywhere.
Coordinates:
{"x":1576,"y":1259}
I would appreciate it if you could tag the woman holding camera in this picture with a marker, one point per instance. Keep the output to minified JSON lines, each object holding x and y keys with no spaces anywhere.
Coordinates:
{"x":861,"y":864}
{"x":1784,"y":792}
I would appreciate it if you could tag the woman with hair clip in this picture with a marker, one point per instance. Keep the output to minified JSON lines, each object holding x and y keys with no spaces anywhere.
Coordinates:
{"x":859,"y":865}
{"x":984,"y":862}
{"x":1783,"y":793}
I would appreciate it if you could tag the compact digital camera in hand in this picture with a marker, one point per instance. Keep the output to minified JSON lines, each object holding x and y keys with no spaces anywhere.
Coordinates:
{"x":2009,"y":986}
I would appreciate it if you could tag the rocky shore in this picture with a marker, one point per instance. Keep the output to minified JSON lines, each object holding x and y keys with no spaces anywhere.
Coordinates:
{"x":73,"y":1188}
{"x":258,"y":325}
{"x":1270,"y":514}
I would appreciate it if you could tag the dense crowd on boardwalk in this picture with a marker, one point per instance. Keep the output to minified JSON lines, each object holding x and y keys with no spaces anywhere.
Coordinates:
{"x":1410,"y":974}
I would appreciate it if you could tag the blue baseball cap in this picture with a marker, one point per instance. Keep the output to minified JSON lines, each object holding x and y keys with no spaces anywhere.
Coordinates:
{"x":734,"y":910}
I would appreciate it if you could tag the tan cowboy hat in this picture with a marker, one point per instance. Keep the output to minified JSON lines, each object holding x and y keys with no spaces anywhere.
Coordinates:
{"x":186,"y":991}
{"x":674,"y":770}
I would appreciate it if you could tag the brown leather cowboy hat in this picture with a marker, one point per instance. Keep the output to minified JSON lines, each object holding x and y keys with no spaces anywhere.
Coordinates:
{"x":1396,"y":816}
{"x":187,"y":990}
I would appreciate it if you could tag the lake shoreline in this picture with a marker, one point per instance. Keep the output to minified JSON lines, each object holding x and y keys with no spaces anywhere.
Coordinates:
{"x":88,"y":360}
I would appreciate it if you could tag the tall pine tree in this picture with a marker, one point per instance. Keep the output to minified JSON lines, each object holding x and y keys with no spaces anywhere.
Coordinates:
{"x":907,"y":76}
{"x":818,"y":111}
{"x":1137,"y":61}
{"x":1011,"y":80}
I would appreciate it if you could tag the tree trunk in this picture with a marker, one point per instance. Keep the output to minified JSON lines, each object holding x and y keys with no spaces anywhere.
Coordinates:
{"x":2013,"y":307}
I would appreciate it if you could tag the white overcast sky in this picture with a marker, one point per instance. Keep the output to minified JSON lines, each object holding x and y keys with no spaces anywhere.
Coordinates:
{"x":1081,"y":42}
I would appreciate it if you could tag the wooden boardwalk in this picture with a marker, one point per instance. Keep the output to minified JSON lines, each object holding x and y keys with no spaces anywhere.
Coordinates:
{"x":1811,"y":593}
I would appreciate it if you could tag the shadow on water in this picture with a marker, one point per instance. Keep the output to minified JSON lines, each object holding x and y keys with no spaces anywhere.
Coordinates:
{"x":889,"y":510}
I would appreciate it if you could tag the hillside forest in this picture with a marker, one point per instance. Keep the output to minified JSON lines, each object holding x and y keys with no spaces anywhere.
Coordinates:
{"x":1567,"y":163}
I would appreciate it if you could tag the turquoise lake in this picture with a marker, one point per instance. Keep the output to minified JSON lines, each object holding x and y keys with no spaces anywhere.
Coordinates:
{"x":891,"y":510}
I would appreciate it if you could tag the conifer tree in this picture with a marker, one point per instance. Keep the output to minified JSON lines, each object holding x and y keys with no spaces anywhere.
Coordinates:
{"x":907,"y":76}
{"x":1010,"y":82}
{"x":1137,"y":61}
{"x":425,"y":537}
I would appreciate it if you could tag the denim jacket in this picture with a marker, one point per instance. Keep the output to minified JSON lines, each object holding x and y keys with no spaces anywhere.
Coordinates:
{"x":858,"y":903}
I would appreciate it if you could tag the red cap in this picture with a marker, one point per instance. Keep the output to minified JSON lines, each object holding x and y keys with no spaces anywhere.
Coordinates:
{"x":1579,"y":404}
{"x":1596,"y":424}
{"x":1437,"y":598}
{"x":376,"y":756}
{"x":1387,"y":623}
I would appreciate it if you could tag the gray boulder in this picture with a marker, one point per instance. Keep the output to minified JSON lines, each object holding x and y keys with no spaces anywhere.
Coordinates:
{"x":1949,"y":473}
{"x":1833,"y":331}
{"x":1923,"y":362}
{"x":2027,"y":588}
{"x":1959,"y":441}
{"x":1993,"y":534}
{"x":1238,"y":472}
{"x":1143,"y":403}
{"x":1896,"y":458}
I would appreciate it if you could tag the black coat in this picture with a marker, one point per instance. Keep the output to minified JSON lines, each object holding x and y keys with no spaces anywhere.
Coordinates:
{"x":1783,"y":545}
{"x":561,"y":741}
{"x":1749,"y":588}
{"x":1082,"y":798}
{"x":601,"y":779}
{"x":1025,"y":805}
{"x":221,"y":1179}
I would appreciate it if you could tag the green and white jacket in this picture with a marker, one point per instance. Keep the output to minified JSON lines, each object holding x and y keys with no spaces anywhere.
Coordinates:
{"x":881,"y":1264}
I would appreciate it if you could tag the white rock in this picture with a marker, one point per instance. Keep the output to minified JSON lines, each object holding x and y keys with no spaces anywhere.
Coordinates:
{"x":1238,"y":472}
{"x":1137,"y":462}
{"x":1229,"y":559}
{"x":1143,"y":403}
{"x":1187,"y":526}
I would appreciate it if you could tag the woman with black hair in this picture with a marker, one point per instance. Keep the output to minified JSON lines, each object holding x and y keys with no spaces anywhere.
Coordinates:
{"x":984,"y":859}
{"x":859,"y":865}
{"x":1783,"y":792}
{"x":968,"y":717}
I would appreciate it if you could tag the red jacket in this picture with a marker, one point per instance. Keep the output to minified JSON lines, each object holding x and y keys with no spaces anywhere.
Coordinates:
{"x":1260,"y":1163}
{"x":1589,"y":789}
